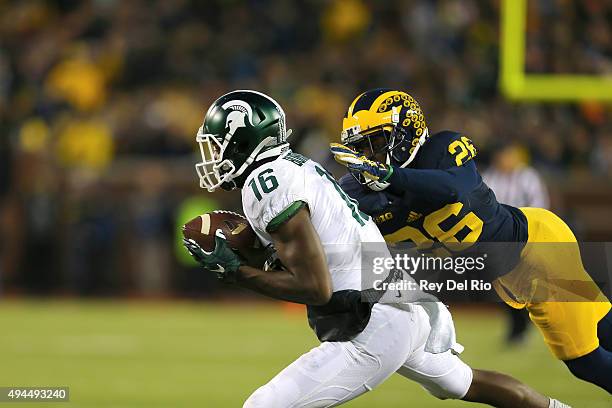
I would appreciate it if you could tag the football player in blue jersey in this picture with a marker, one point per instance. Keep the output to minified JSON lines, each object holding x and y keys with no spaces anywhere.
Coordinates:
{"x":425,"y":189}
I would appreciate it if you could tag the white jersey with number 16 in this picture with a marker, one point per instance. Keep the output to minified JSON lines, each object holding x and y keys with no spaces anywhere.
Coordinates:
{"x":273,"y":192}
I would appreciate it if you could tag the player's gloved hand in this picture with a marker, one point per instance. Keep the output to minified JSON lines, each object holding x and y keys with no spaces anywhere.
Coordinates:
{"x":221,"y":260}
{"x":354,"y":161}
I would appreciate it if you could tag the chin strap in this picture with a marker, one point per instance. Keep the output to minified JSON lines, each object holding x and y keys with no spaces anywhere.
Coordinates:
{"x":259,"y":154}
{"x":237,"y":177}
{"x":422,"y":140}
{"x":275,"y":151}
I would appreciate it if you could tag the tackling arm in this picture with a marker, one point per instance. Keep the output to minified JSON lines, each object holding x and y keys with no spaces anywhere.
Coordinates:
{"x":448,"y":171}
{"x":306,"y":278}
{"x":444,"y":185}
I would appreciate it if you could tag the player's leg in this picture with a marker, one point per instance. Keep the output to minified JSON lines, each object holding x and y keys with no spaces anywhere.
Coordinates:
{"x":336,"y":372}
{"x":604,"y":331}
{"x":572,"y":332}
{"x":318,"y":378}
{"x":445,"y":376}
{"x":596,"y":366}
{"x":501,"y":390}
{"x":574,"y":329}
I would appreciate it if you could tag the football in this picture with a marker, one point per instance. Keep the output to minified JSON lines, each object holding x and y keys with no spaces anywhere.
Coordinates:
{"x":239,"y":234}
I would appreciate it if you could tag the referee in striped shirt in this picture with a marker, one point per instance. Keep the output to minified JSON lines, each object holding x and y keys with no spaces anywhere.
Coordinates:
{"x":515,"y":183}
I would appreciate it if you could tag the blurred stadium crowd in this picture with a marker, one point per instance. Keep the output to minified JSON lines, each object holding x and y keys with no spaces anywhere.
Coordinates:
{"x":100,"y":102}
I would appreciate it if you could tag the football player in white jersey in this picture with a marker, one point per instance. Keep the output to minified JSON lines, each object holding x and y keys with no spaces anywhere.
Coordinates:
{"x":316,"y":229}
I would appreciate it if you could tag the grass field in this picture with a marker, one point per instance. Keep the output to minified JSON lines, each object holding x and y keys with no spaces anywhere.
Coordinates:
{"x":183,"y":354}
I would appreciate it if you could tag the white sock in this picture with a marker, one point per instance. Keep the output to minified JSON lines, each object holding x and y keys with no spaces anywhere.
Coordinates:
{"x":557,"y":404}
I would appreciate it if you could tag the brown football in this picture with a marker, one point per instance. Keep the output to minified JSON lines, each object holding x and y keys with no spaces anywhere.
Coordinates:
{"x":239,"y":234}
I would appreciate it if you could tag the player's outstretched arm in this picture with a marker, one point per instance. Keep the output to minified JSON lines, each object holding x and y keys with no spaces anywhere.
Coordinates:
{"x":306,"y":278}
{"x":444,"y":184}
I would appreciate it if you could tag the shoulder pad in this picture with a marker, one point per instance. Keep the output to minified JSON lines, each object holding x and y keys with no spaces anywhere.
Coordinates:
{"x":271,"y":190}
{"x":444,"y":150}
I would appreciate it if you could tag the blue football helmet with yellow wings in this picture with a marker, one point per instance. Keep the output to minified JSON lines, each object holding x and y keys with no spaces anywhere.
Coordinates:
{"x":384,"y":121}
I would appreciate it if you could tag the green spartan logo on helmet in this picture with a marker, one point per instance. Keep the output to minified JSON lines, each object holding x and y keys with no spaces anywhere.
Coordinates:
{"x":240,"y":129}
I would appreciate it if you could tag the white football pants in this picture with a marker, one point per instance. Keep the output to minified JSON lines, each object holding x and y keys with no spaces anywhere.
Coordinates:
{"x":336,"y":372}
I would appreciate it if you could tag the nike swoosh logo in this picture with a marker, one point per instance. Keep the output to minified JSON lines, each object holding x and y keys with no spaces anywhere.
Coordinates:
{"x":219,"y":269}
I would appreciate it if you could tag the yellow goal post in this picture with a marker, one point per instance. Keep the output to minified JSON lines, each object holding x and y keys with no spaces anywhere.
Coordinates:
{"x":517,"y":85}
